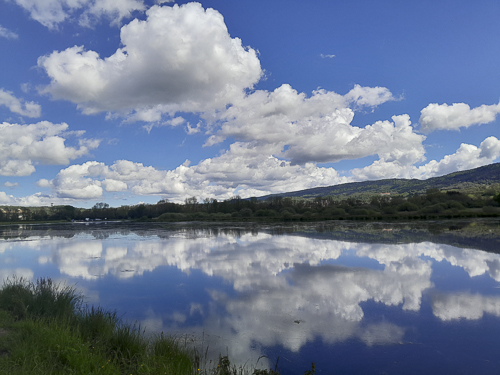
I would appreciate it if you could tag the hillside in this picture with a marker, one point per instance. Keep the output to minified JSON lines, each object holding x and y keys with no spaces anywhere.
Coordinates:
{"x":466,"y":181}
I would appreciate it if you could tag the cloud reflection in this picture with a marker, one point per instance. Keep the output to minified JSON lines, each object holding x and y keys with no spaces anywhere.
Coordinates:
{"x":291,"y":289}
{"x":464,"y":306}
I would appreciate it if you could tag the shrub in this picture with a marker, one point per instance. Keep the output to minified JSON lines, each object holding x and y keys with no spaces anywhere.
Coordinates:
{"x":246,"y":212}
{"x":267,"y":213}
{"x":407,"y":206}
{"x":334,"y":212}
{"x":358,"y":212}
{"x":434,"y":209}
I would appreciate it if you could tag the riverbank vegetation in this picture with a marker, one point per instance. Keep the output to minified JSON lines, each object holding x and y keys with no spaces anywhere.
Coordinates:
{"x":46,"y":329}
{"x":465,"y":194}
{"x":433,"y":204}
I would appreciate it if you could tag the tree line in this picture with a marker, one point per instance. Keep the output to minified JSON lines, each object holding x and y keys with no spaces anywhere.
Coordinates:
{"x":432,"y":204}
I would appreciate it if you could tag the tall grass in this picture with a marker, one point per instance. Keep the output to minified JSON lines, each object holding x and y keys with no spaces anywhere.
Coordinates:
{"x":40,"y":299}
{"x":50,"y":331}
{"x":46,"y":329}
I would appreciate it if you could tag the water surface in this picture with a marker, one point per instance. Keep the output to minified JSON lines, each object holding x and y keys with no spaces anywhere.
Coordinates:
{"x":353,"y":298}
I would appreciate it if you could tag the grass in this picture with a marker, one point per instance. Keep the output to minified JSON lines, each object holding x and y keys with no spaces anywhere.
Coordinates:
{"x":46,"y":329}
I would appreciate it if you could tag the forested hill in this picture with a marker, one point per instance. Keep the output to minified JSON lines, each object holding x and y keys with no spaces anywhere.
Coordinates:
{"x":468,"y":180}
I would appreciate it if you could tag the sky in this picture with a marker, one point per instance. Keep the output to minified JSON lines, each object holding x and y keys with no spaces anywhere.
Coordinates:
{"x":130,"y":101}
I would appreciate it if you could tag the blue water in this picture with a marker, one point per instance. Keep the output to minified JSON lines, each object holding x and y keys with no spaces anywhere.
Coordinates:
{"x":363,"y":307}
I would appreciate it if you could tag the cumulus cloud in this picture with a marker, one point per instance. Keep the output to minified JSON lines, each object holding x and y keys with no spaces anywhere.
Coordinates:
{"x":73,"y":183}
{"x":51,"y":13}
{"x":458,"y":115}
{"x":28,"y":109}
{"x":6,"y":33}
{"x":369,"y":96}
{"x":318,"y":128}
{"x":181,"y":58}
{"x":466,"y":157}
{"x":250,"y":169}
{"x":241,"y":168}
{"x":24,"y":146}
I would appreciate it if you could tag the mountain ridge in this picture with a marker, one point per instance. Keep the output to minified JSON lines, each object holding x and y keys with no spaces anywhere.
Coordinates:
{"x":461,"y":180}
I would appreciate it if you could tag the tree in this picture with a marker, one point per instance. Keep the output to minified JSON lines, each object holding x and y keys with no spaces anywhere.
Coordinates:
{"x":100,"y":206}
{"x":191,"y":203}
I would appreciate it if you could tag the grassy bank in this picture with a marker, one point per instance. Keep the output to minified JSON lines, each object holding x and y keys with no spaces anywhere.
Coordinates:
{"x":46,"y":329}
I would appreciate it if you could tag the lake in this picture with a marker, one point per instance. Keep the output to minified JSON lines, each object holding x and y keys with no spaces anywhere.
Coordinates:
{"x":371,"y":298}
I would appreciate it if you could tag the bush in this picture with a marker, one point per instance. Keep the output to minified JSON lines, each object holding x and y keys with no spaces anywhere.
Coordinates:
{"x":265,"y":213}
{"x":334,"y":212}
{"x":358,"y":212}
{"x":407,"y":206}
{"x":389,"y":210}
{"x":454,"y":205}
{"x":246,"y":212}
{"x":434,"y":209}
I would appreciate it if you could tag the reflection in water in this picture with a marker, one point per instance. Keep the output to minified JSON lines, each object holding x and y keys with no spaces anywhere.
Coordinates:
{"x":287,"y":290}
{"x":464,"y":305}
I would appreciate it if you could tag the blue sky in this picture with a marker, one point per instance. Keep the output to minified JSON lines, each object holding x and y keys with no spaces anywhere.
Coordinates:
{"x":129,"y":101}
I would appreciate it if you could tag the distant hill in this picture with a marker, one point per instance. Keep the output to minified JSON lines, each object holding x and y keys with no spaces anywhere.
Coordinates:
{"x":466,"y":181}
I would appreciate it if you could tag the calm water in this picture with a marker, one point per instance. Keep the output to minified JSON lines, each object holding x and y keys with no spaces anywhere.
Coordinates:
{"x":373,"y":298}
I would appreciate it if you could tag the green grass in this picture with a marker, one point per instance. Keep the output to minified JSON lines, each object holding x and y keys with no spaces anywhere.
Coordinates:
{"x":46,"y":329}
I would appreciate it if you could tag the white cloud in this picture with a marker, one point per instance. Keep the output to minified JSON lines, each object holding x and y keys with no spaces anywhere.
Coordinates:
{"x":11,"y":184}
{"x":369,"y":96}
{"x":466,"y":157}
{"x":250,"y":169}
{"x":181,"y":58}
{"x":116,"y":10}
{"x":23,"y":146}
{"x":190,"y":130}
{"x":247,"y":169}
{"x":114,"y":185}
{"x":51,"y":13}
{"x":6,"y":33}
{"x":318,"y":128}
{"x":5,"y":199}
{"x":458,"y":115}
{"x":29,"y":109}
{"x":327,"y":56}
{"x":37,"y":199}
{"x":73,"y":183}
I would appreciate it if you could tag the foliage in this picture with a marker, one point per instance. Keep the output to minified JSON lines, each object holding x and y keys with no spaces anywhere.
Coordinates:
{"x":460,"y":194}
